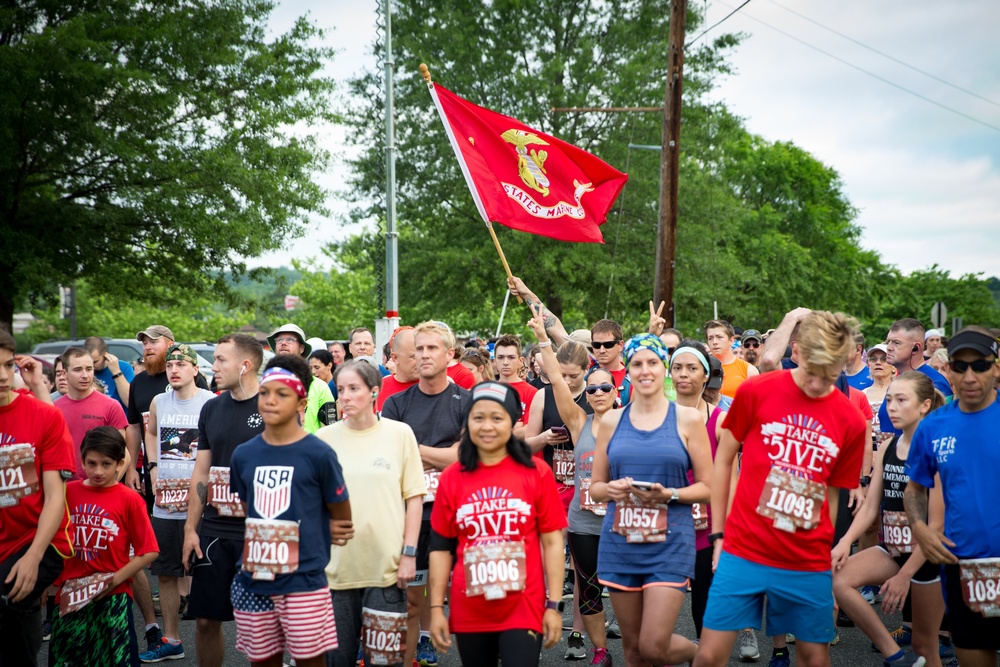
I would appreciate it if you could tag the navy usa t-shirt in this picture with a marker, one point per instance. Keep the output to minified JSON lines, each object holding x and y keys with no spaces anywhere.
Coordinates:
{"x":295,"y":482}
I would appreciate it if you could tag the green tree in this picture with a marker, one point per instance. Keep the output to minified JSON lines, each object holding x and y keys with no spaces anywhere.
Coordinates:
{"x":148,"y":144}
{"x":331,"y":301}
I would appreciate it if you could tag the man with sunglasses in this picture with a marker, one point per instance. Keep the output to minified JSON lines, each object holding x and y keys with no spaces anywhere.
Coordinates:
{"x":751,"y":343}
{"x":904,"y":350}
{"x":958,"y":445}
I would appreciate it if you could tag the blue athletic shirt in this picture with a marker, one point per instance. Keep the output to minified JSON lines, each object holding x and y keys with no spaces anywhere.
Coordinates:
{"x":940,"y":383}
{"x":105,"y":377}
{"x":964,"y":448}
{"x":861,"y":380}
{"x":299,"y":479}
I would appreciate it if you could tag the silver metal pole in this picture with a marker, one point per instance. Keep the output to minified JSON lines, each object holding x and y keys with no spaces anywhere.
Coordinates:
{"x":503,"y":311}
{"x":391,"y":236}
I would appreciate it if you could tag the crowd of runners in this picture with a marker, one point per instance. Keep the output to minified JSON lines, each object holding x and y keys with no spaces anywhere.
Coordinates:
{"x":348,"y":505}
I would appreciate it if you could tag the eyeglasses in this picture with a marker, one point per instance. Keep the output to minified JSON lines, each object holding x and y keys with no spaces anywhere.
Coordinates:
{"x":880,"y":359}
{"x":604,"y":388}
{"x":607,"y":345}
{"x":286,"y":339}
{"x":977,"y":366}
{"x":751,"y":344}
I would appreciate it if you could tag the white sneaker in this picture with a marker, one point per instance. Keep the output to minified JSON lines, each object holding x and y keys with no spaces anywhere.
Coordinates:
{"x":749,"y":652}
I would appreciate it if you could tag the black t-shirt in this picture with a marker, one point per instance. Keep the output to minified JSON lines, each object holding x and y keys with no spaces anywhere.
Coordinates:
{"x":144,"y":388}
{"x":436,"y":420}
{"x":224,"y":425}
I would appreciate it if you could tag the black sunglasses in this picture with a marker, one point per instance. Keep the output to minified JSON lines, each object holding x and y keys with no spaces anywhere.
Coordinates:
{"x":604,"y":387}
{"x":751,"y":344}
{"x":977,"y":366}
{"x":607,"y":345}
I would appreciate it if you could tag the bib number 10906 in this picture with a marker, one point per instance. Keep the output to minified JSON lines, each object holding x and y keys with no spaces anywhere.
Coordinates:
{"x":493,"y":570}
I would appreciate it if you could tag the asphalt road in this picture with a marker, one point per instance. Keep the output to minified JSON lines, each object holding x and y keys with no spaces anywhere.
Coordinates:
{"x":852,"y":651}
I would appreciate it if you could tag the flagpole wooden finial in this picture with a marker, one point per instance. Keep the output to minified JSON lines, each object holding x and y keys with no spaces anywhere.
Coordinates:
{"x":426,"y":73}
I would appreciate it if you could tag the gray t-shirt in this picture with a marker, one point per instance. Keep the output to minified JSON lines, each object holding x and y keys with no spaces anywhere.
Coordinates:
{"x":177,"y":435}
{"x":581,"y":521}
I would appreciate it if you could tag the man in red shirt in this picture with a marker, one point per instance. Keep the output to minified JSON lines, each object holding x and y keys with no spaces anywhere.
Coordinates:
{"x":802,"y":442}
{"x":507,"y":357}
{"x":404,"y":356}
{"x":36,"y":459}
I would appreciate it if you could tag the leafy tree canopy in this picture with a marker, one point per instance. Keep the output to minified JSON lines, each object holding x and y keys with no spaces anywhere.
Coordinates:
{"x":148,"y":144}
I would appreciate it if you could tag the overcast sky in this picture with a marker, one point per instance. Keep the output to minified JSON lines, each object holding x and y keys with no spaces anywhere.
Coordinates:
{"x":926,"y":180}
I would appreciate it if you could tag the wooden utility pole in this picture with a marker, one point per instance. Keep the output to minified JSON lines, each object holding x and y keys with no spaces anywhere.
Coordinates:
{"x":666,"y":231}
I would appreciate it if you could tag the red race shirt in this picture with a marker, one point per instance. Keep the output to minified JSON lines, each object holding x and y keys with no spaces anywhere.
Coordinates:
{"x":502,"y":502}
{"x":30,"y":421}
{"x":860,"y":399}
{"x":107,"y":520}
{"x":820,"y":440}
{"x":461,"y":376}
{"x":527,"y":393}
{"x":89,"y":413}
{"x":390,"y":386}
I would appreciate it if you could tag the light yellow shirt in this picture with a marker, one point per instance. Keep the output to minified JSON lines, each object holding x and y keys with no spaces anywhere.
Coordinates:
{"x":382,"y":469}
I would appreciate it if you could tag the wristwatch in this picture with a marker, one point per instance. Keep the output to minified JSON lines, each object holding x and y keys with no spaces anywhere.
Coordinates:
{"x":674,"y":498}
{"x":555,"y":605}
{"x":712,"y":537}
{"x":152,"y":464}
{"x":409,"y":550}
{"x":116,"y":375}
{"x":865,"y":481}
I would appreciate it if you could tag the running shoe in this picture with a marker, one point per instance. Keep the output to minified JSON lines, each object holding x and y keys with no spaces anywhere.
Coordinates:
{"x":945,"y":651}
{"x":789,"y":638}
{"x":907,"y":660}
{"x":780,"y":658}
{"x":163,"y":651}
{"x":749,"y":651}
{"x":360,"y":660}
{"x":902,"y":635}
{"x":46,"y":630}
{"x":426,"y":655}
{"x":153,"y":637}
{"x":601,"y":657}
{"x":868,"y":593}
{"x":836,"y":637}
{"x":843,"y":620}
{"x":575,"y":650}
{"x":568,"y":589}
{"x":613,"y":631}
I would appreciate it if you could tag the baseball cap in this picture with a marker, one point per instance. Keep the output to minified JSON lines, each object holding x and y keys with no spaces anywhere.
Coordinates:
{"x":315,"y":343}
{"x":880,"y":347}
{"x":498,"y":393}
{"x":933,"y":332}
{"x":750,"y":333}
{"x":181,"y":352}
{"x":290,"y":328}
{"x":582,"y":336}
{"x":976,"y":341}
{"x":154,"y":332}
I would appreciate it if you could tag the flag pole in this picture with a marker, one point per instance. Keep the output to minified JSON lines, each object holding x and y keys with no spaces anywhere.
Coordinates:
{"x":426,"y":73}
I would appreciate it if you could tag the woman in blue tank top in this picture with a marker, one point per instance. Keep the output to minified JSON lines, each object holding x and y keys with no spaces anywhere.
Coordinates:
{"x":647,"y":546}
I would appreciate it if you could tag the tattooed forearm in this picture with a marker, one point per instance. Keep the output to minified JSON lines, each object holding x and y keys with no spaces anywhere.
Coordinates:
{"x":915,"y":502}
{"x":202,"y":493}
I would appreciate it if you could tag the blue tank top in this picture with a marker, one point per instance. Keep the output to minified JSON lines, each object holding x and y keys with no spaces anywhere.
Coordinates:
{"x":649,"y":456}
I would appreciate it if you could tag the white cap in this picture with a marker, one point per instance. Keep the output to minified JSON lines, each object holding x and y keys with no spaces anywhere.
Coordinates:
{"x":933,"y":332}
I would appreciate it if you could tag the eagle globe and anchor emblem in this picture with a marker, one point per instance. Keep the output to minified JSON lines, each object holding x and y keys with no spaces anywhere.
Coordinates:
{"x":534,"y":176}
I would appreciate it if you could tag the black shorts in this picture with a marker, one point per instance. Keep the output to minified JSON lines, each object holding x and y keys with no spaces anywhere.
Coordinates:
{"x":423,"y":553}
{"x":170,"y":537}
{"x":928,"y":573}
{"x":212,"y":577}
{"x":969,"y":629}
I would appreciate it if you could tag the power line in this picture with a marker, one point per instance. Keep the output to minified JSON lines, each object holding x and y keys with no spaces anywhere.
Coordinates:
{"x":884,"y":55}
{"x":871,"y":74}
{"x":716,"y":24}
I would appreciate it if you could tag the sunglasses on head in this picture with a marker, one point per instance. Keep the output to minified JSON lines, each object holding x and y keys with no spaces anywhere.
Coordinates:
{"x":752,"y":344}
{"x":604,"y":387}
{"x":977,"y":366}
{"x":607,"y":345}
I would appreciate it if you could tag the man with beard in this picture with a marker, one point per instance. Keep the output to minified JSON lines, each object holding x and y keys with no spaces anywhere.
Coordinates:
{"x":751,"y":342}
{"x":146,"y":385}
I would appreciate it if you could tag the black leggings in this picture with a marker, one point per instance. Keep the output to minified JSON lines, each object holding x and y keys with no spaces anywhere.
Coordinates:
{"x":511,"y":647}
{"x":584,"y":550}
{"x":699,"y":587}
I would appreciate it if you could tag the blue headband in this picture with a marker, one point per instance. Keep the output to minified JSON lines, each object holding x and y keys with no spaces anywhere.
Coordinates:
{"x":646,"y":341}
{"x":696,"y":352}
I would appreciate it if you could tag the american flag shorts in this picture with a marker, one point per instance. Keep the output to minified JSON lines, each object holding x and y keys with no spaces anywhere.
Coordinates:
{"x":267,"y":625}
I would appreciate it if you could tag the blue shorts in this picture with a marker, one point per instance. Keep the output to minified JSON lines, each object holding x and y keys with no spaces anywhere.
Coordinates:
{"x":637,"y":582}
{"x":797,"y":602}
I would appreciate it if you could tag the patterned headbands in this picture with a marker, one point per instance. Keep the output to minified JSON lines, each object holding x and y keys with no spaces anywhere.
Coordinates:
{"x":286,"y":377}
{"x":646,"y":341}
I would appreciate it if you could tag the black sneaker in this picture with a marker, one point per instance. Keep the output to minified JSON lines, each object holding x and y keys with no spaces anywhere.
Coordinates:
{"x":46,"y":630}
{"x":575,"y":649}
{"x":183,"y":611}
{"x":844,"y":621}
{"x":153,"y":638}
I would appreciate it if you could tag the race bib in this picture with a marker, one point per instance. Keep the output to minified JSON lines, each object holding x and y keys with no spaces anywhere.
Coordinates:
{"x":493,"y":570}
{"x":78,"y":593}
{"x":220,"y":494}
{"x":792,"y":502}
{"x":699,"y":513}
{"x":172,"y":494}
{"x":431,"y":480}
{"x":896,"y":533}
{"x":980,"y":579}
{"x":18,"y":477}
{"x":383,"y":636}
{"x":588,"y":503}
{"x":564,"y":465}
{"x":641,"y":522}
{"x":270,"y":547}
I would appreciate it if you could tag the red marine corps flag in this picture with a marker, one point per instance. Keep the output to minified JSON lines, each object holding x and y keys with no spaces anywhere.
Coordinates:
{"x":523,"y":178}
